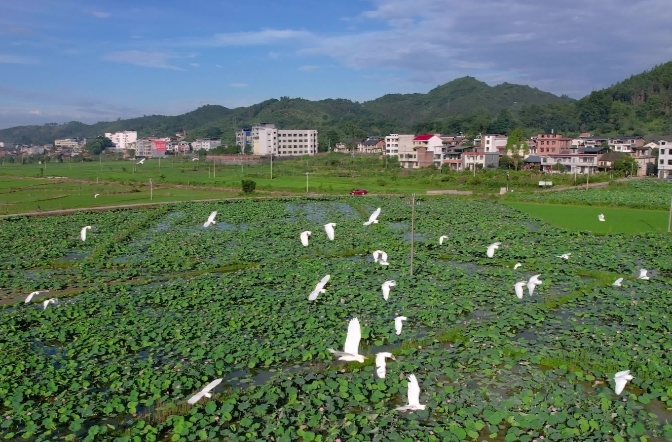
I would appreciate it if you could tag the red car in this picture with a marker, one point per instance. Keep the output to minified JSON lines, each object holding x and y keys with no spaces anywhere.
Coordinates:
{"x":359,"y":192}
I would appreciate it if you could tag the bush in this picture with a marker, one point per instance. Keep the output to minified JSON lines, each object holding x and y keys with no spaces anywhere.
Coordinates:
{"x":248,"y":186}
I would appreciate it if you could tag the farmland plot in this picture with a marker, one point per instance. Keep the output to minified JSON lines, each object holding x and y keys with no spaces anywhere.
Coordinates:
{"x":132,"y":339}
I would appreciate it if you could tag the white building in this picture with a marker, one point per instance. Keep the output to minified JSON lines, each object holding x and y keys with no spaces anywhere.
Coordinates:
{"x":265,"y":141}
{"x":205,"y":144}
{"x":494,"y":142}
{"x":470,"y":160}
{"x":664,"y":158}
{"x":297,"y":142}
{"x":70,"y":143}
{"x":394,"y":143}
{"x":122,"y":139}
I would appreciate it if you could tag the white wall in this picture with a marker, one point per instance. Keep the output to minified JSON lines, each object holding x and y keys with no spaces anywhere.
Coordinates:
{"x":122,"y":139}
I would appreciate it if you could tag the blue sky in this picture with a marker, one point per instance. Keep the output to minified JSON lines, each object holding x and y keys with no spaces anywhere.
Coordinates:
{"x":64,"y":60}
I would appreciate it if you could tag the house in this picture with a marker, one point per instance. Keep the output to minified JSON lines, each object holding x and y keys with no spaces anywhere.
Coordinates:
{"x":570,"y":163}
{"x":532,"y":162}
{"x":652,"y":145}
{"x":493,"y":143}
{"x":606,"y":161}
{"x":419,"y":157}
{"x":372,"y":145}
{"x":625,"y":143}
{"x":553,"y":144}
{"x":646,"y":161}
{"x":588,"y":140}
{"x":487,"y":160}
{"x":349,"y":145}
{"x":122,"y":139}
{"x":205,"y":144}
{"x":665,"y":158}
{"x":395,"y":143}
{"x":433,"y":144}
{"x":452,"y":158}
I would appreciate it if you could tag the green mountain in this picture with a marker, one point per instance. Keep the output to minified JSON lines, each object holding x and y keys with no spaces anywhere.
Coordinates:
{"x":640,"y":105}
{"x":341,"y":118}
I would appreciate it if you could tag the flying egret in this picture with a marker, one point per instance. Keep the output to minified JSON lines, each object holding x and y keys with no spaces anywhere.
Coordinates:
{"x":532,"y":283}
{"x":30,"y":296}
{"x":386,"y":288}
{"x":380,"y":363}
{"x":351,"y":348}
{"x":519,"y":288}
{"x":643,"y":274}
{"x":319,"y":288}
{"x":491,"y":249}
{"x":47,"y":302}
{"x":373,"y":219}
{"x":517,"y":265}
{"x":618,"y":282}
{"x":413,"y":396}
{"x":329,"y":228}
{"x":564,"y":256}
{"x":621,"y":378}
{"x":398,"y":323}
{"x":205,"y":392}
{"x":304,"y":237}
{"x":600,"y":217}
{"x":442,"y":238}
{"x":82,"y":233}
{"x":211,"y":219}
{"x":96,"y":195}
{"x":142,"y":161}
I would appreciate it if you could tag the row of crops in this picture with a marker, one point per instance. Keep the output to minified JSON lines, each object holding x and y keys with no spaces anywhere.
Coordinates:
{"x":152,"y":307}
{"x":640,"y":194}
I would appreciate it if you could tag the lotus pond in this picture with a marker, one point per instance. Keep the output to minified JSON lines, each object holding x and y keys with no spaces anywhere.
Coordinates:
{"x":153,"y":306}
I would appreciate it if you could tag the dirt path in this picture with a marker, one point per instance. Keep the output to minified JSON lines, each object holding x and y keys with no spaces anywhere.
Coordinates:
{"x":590,"y":185}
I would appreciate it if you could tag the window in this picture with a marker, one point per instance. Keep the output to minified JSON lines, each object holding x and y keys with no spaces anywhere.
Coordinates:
{"x":669,"y":162}
{"x":662,"y":162}
{"x":662,"y":151}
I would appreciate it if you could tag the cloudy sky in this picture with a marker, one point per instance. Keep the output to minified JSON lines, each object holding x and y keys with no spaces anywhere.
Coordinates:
{"x":89,"y":60}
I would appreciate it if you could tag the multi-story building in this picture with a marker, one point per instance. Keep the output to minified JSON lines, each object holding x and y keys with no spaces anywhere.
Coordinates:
{"x":70,"y":143}
{"x":244,"y":138}
{"x":471,"y":160}
{"x":205,"y":144}
{"x":665,"y":158}
{"x":646,"y":162}
{"x":265,"y":141}
{"x":570,"y":163}
{"x":372,"y":145}
{"x":395,"y":143}
{"x":625,"y":143}
{"x":297,"y":142}
{"x":122,"y":139}
{"x":493,"y":142}
{"x":433,"y":144}
{"x":553,"y":144}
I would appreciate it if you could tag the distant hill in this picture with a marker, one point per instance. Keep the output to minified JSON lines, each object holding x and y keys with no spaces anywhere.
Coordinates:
{"x":338,"y":117}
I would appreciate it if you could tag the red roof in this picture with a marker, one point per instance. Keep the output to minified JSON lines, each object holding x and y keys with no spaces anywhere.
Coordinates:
{"x":423,"y":137}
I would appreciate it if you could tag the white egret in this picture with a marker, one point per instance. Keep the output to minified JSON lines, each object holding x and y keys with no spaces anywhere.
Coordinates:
{"x":386,"y":288}
{"x":643,"y":274}
{"x":96,"y":195}
{"x":380,"y":363}
{"x":47,"y":302}
{"x":82,"y":233}
{"x":517,"y":265}
{"x":519,"y":288}
{"x":532,"y":283}
{"x":380,"y":257}
{"x":329,"y":228}
{"x":30,"y":296}
{"x":194,"y":159}
{"x":600,"y":217}
{"x":351,"y":348}
{"x":398,"y":323}
{"x":205,"y":392}
{"x":142,"y":161}
{"x":304,"y":237}
{"x":319,"y":288}
{"x":621,"y":378}
{"x":618,"y":282}
{"x":373,"y":219}
{"x":211,"y":219}
{"x":491,"y":249}
{"x":413,"y":396}
{"x":564,"y":256}
{"x":442,"y":238}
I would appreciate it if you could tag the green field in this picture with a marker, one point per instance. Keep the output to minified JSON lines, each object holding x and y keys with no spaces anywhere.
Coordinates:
{"x":617,"y":219}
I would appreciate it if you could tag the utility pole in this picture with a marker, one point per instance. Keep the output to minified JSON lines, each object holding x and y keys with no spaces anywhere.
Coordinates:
{"x":306,"y":182}
{"x":151,"y":190}
{"x":669,"y":221}
{"x":271,"y":165}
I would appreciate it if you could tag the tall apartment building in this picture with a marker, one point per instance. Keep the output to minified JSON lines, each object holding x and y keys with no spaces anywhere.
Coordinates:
{"x":123,"y":139}
{"x":394,"y":143}
{"x":70,"y":143}
{"x":493,"y":142}
{"x":284,"y":142}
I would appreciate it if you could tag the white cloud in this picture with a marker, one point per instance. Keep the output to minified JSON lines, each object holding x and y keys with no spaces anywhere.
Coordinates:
{"x":238,"y":84}
{"x":308,"y":68}
{"x":141,"y":58}
{"x":16,"y":59}
{"x":101,"y":14}
{"x":35,"y":112}
{"x":194,"y":64}
{"x":257,"y":38}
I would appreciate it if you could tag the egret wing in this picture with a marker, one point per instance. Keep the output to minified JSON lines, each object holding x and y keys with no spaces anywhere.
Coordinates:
{"x":354,"y":336}
{"x":323,"y":282}
{"x":620,"y":384}
{"x":212,"y":385}
{"x":413,"y":391}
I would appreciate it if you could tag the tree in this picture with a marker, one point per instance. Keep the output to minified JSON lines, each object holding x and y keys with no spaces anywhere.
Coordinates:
{"x":626,"y":165}
{"x":516,"y":143}
{"x":98,"y":145}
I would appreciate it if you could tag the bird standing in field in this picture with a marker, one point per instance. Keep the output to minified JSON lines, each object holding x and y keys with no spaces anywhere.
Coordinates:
{"x":600,"y":217}
{"x":519,"y":288}
{"x":319,"y":288}
{"x":351,"y":348}
{"x":30,"y":296}
{"x":442,"y":238}
{"x":413,"y":396}
{"x":373,"y":219}
{"x":380,"y":257}
{"x":532,"y":283}
{"x":621,"y":378}
{"x":82,"y":233}
{"x":380,"y":363}
{"x":47,"y":302}
{"x":491,"y":249}
{"x":304,"y":237}
{"x":618,"y":282}
{"x":211,"y":219}
{"x":329,"y":228}
{"x":643,"y":274}
{"x":205,"y":392}
{"x":517,"y":265}
{"x":386,"y":288}
{"x":96,"y":195}
{"x":564,"y":256}
{"x":398,"y":323}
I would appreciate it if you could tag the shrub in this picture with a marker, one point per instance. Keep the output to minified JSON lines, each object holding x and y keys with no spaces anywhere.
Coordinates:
{"x":248,"y":186}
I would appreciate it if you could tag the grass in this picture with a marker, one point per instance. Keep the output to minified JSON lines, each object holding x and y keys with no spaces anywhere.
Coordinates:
{"x":618,"y":220}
